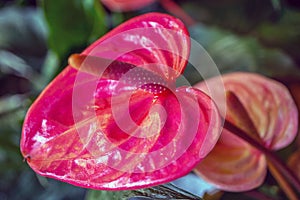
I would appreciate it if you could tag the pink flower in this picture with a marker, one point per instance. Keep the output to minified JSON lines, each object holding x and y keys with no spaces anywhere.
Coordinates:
{"x":114,"y":119}
{"x":126,"y":5}
{"x":255,"y":104}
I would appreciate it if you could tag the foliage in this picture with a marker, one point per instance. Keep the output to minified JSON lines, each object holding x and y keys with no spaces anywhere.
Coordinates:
{"x":73,"y":24}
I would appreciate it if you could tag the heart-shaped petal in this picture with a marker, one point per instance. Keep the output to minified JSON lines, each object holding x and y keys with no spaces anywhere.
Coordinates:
{"x":152,"y":38}
{"x":116,"y":132}
{"x":233,"y":164}
{"x":96,"y":153}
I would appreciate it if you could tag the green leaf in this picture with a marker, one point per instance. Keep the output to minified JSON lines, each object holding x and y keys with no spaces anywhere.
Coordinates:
{"x":49,"y":68}
{"x":231,"y":52}
{"x":117,"y":18}
{"x":22,"y":39}
{"x":73,"y":24}
{"x":11,"y":103}
{"x":284,"y":34}
{"x":239,"y":16}
{"x":96,"y":15}
{"x":106,"y":195}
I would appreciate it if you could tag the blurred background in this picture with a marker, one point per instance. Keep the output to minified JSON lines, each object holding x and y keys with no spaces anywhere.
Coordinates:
{"x":37,"y":37}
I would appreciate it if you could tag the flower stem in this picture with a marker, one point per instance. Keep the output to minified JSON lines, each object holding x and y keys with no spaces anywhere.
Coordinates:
{"x":273,"y":161}
{"x":176,"y":10}
{"x":282,"y":181}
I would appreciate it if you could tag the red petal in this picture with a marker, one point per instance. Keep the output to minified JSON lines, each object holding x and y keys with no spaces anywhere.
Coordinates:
{"x":126,"y":5}
{"x":81,"y":130}
{"x":96,"y":153}
{"x":155,"y":41}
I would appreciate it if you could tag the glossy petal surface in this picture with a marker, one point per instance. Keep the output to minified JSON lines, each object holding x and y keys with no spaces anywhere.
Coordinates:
{"x":126,"y":5}
{"x":274,"y":116}
{"x":155,"y":41}
{"x":114,"y":132}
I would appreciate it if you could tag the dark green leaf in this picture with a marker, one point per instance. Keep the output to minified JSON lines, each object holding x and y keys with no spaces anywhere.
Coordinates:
{"x":241,"y":16}
{"x":231,"y":52}
{"x":284,"y":34}
{"x":106,"y":195}
{"x":22,"y":39}
{"x":73,"y":24}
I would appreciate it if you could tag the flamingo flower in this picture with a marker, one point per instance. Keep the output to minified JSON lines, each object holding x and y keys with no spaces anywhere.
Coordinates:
{"x":113,"y":118}
{"x":126,"y":5}
{"x":266,"y":111}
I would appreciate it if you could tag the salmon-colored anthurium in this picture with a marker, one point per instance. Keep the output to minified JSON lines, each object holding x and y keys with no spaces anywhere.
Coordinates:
{"x":126,"y":5}
{"x":113,"y":118}
{"x":265,"y":110}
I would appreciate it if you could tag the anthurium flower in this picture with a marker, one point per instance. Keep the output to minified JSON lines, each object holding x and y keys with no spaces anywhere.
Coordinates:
{"x":113,"y":118}
{"x":265,"y":110}
{"x":126,"y":5}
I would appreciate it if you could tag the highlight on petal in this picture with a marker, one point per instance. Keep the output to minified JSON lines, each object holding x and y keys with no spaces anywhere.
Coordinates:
{"x":107,"y":157}
{"x":234,"y":165}
{"x":152,"y":38}
{"x":125,"y":125}
{"x":126,"y":5}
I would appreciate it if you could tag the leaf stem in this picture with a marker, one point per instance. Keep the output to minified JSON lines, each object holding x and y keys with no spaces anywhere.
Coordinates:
{"x":276,"y":163}
{"x":282,"y":181}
